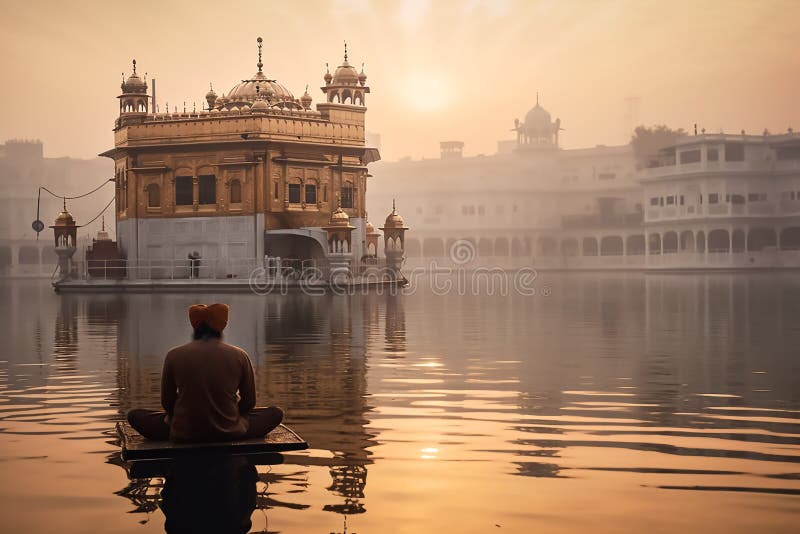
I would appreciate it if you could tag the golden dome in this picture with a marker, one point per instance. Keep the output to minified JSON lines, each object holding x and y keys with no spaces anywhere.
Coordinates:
{"x":339,"y":218}
{"x":64,"y":219}
{"x":248,"y":91}
{"x":370,"y":228}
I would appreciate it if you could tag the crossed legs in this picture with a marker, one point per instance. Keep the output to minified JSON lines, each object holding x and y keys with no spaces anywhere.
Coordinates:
{"x":152,"y":424}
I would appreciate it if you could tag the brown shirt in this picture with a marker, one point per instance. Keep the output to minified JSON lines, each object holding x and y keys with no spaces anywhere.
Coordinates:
{"x":199,"y":388}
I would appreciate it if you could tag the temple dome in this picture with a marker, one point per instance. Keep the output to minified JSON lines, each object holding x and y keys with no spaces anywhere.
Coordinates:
{"x":245,"y":91}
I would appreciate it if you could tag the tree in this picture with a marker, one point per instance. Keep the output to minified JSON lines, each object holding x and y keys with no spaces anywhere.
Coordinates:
{"x":647,"y":142}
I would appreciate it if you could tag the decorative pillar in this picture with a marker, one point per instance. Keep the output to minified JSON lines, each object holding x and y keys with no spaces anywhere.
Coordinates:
{"x":65,"y":231}
{"x":339,"y":251}
{"x":371,"y":242}
{"x":394,"y":230}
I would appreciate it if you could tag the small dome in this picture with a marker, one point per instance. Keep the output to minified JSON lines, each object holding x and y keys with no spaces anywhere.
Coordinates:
{"x":362,"y":76}
{"x":245,"y":109}
{"x":340,"y":218}
{"x":134,"y":84}
{"x":64,"y":219}
{"x":327,"y":76}
{"x":370,"y":228}
{"x":211,"y":93}
{"x":305,"y":100}
{"x":394,"y":220}
{"x":259,"y":106}
{"x":345,"y":74}
{"x":214,"y":110}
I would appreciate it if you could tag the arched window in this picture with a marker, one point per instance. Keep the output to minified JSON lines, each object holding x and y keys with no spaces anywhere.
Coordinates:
{"x":153,"y":196}
{"x":236,"y":192}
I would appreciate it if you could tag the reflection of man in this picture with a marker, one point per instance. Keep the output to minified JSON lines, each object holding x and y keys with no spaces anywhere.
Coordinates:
{"x":201,"y":496}
{"x":207,"y":389}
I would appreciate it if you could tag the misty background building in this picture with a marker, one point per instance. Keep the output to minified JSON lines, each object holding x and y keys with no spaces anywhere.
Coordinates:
{"x":706,"y":201}
{"x":23,"y":168}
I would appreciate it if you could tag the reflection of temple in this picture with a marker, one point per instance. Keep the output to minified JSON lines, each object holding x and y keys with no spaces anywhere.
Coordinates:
{"x":322,"y":382}
{"x":395,"y":328}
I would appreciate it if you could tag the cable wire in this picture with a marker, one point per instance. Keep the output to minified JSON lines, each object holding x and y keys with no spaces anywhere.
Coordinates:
{"x":79,"y":196}
{"x":101,"y":212}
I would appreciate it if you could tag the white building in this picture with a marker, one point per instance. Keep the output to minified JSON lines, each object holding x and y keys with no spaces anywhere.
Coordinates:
{"x":724,"y":201}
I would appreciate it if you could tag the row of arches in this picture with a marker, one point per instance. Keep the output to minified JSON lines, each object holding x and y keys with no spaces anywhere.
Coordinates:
{"x":721,"y":240}
{"x":717,"y":240}
{"x":26,"y":255}
{"x":345,"y":96}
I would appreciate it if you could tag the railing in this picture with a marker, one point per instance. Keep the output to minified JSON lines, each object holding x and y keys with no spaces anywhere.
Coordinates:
{"x":270,"y":268}
{"x":201,"y":269}
{"x":594,"y":221}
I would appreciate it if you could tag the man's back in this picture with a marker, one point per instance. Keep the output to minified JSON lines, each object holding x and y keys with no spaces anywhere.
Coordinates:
{"x":199,"y":391}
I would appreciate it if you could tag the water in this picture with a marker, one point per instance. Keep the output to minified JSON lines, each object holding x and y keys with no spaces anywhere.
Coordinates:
{"x":618,"y":402}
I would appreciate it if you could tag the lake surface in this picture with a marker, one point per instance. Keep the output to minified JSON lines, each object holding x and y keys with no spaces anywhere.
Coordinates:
{"x":603,"y":403}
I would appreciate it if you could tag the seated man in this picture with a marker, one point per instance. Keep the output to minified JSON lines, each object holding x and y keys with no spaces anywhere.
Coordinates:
{"x":199,"y":386}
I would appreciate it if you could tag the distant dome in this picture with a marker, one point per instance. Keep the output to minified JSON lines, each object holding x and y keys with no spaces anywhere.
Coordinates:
{"x":538,"y":118}
{"x":370,"y":228}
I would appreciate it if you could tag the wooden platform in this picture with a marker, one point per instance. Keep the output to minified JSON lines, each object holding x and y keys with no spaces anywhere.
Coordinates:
{"x":136,"y":447}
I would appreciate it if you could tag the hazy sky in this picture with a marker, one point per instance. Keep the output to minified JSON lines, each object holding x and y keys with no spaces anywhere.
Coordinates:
{"x":460,"y":70}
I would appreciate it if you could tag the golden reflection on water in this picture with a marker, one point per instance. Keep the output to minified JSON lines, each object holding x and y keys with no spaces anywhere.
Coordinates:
{"x":617,"y":403}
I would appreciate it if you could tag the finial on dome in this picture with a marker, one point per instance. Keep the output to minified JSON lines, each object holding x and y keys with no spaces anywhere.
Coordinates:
{"x":134,"y":66}
{"x":537,"y":98}
{"x":259,"y":64}
{"x":65,"y":205}
{"x":103,"y":223}
{"x":345,"y":52}
{"x":394,"y":208}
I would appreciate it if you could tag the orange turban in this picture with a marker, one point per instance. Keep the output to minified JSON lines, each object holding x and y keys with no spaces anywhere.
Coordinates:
{"x":214,"y":315}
